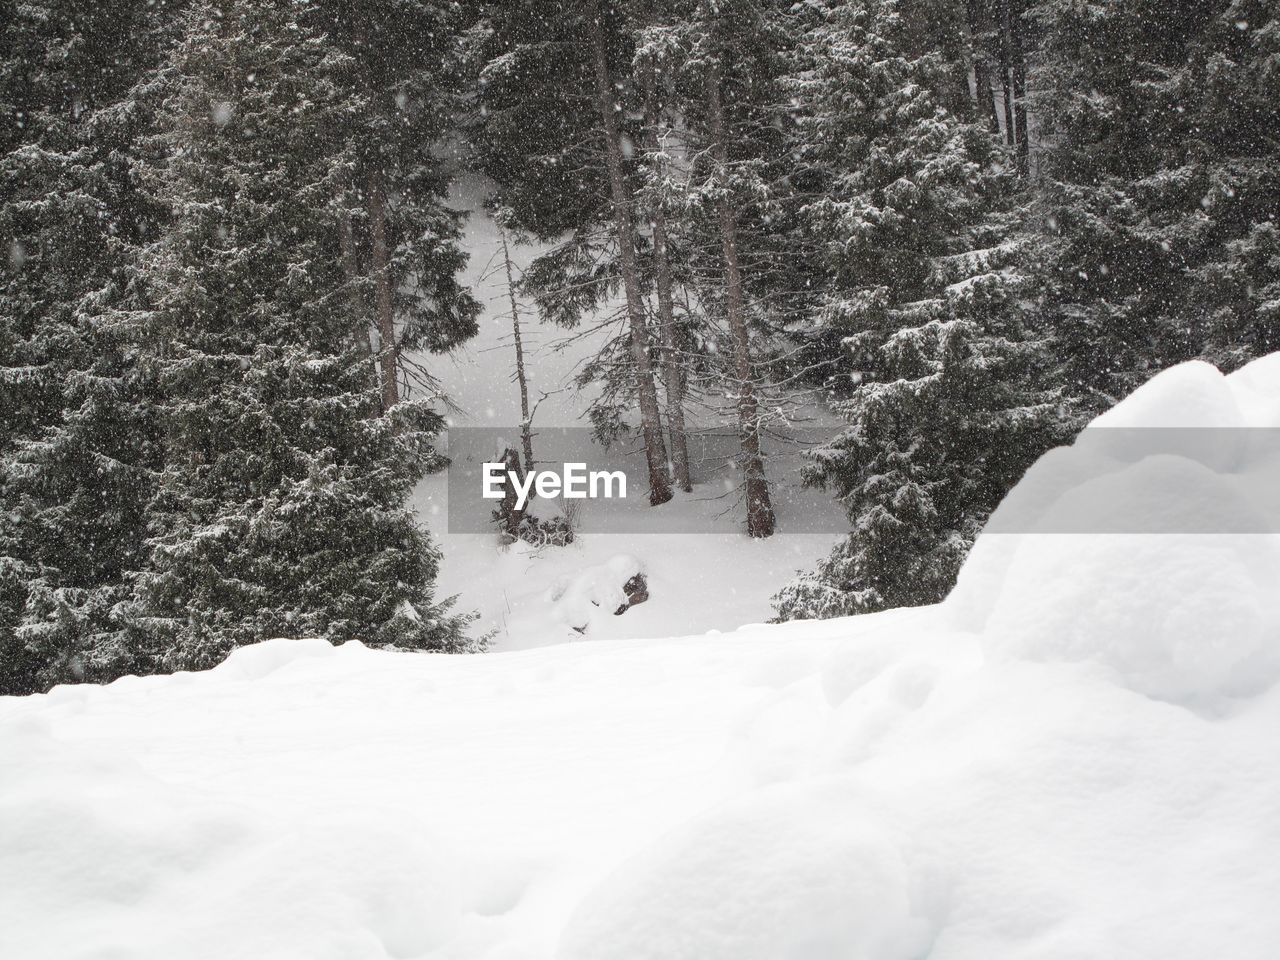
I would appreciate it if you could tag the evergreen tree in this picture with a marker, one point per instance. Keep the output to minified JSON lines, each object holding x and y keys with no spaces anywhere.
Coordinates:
{"x":404,"y":63}
{"x":1161,"y":178}
{"x":281,"y":509}
{"x":1235,"y":155}
{"x":921,"y":300}
{"x":725,"y":61}
{"x":534,"y":127}
{"x":75,"y":429}
{"x":653,"y":63}
{"x":564,"y":71}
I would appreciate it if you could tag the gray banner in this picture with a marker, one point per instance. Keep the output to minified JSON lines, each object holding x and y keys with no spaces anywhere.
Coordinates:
{"x":1111,"y":480}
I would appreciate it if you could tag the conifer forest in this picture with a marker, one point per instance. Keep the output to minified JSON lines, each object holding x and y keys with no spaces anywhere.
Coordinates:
{"x":231,"y":263}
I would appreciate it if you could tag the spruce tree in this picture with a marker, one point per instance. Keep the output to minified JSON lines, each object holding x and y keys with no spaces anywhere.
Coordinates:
{"x":652,"y":62}
{"x":281,"y":509}
{"x":553,"y":117}
{"x":533,"y":126}
{"x":1235,"y":152}
{"x":936,"y":367}
{"x":76,"y":441}
{"x":1159,"y":185}
{"x":723,"y":62}
{"x":403,"y":61}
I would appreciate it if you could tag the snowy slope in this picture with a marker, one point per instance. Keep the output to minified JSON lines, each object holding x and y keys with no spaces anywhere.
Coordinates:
{"x":1073,"y":758}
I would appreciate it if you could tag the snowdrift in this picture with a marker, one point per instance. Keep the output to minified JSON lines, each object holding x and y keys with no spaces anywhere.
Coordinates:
{"x":1189,"y":612}
{"x":1072,"y":758}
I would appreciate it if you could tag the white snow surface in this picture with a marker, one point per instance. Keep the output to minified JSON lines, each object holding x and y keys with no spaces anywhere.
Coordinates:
{"x":1073,"y":758}
{"x":528,"y":596}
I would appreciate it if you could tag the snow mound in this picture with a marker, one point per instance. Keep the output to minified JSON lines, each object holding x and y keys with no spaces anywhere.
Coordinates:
{"x":1182,"y":618}
{"x":262,"y":659}
{"x":581,"y":600}
{"x":1257,"y":391}
{"x":1148,"y":547}
{"x":1189,"y":395}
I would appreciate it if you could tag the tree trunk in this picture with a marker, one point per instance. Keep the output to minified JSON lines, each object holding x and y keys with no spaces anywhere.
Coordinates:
{"x":526,"y":428}
{"x":1006,"y":86}
{"x":359,"y":307}
{"x":979,"y":35}
{"x":673,"y":364}
{"x":1019,"y":67}
{"x":760,"y":518}
{"x":650,"y":416}
{"x":509,"y":515}
{"x":388,"y":351}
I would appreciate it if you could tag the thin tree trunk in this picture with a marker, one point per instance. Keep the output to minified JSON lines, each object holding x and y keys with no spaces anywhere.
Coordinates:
{"x":1019,"y":67}
{"x":510,"y":516}
{"x":650,"y":415}
{"x":979,"y":34}
{"x":760,"y":518}
{"x":388,"y":351}
{"x":673,"y":365}
{"x":1006,"y":87}
{"x":351,"y":267}
{"x":526,"y":429}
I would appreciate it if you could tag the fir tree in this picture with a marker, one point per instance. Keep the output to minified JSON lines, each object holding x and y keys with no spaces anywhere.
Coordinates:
{"x":404,"y":63}
{"x":533,"y":129}
{"x":723,"y":62}
{"x":281,"y":509}
{"x":653,"y":63}
{"x":77,"y":448}
{"x":922,"y":299}
{"x":568,"y":68}
{"x":1159,"y":185}
{"x":1235,"y":152}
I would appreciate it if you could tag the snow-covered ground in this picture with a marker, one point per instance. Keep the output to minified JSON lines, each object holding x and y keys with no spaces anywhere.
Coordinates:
{"x":530,"y":596}
{"x":1073,"y":758}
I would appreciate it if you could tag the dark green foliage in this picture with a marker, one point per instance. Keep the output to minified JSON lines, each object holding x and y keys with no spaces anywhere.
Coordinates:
{"x":191,"y":454}
{"x":750,"y":47}
{"x":1160,"y":185}
{"x":403,"y":62}
{"x":76,"y":438}
{"x":281,"y":509}
{"x":534,"y":128}
{"x":938,"y":373}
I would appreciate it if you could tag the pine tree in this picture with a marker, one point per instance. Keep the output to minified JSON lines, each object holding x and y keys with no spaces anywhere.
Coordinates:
{"x":623,"y":207}
{"x":281,"y":509}
{"x":77,"y":447}
{"x":652,"y":65}
{"x":1159,"y":185}
{"x":533,"y":129}
{"x":938,"y":376}
{"x":553,"y":131}
{"x":404,"y":63}
{"x":731,"y":56}
{"x":1235,"y":82}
